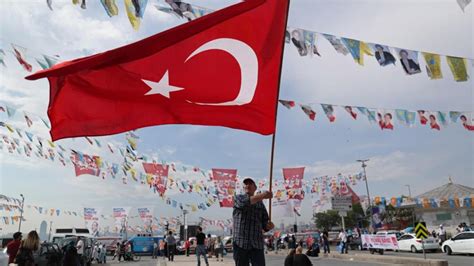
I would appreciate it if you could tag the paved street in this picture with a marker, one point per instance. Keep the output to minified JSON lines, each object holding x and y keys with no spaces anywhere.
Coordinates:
{"x":277,"y":260}
{"x":457,"y":260}
{"x":272,"y":260}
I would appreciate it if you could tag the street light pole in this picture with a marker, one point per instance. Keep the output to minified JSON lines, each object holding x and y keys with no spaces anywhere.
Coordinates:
{"x":367,"y":187}
{"x":21,"y":214}
{"x":185,"y":225}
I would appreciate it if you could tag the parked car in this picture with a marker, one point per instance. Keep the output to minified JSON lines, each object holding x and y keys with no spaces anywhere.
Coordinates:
{"x":3,"y":257}
{"x":409,"y":242}
{"x":460,"y":243}
{"x":49,"y":254}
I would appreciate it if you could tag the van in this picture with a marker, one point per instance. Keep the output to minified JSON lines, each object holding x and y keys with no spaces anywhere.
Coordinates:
{"x":62,"y":233}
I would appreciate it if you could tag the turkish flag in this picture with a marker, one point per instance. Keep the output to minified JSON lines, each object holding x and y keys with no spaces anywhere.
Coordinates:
{"x":221,"y":70}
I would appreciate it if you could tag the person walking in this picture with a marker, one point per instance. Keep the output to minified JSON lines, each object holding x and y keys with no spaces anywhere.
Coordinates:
{"x":210,"y":245}
{"x":162,"y":248}
{"x":250,"y":218}
{"x":441,"y":234}
{"x":219,"y":248}
{"x":13,"y":247}
{"x":171,"y":244}
{"x":325,"y":240}
{"x":102,"y":254}
{"x":122,"y":251}
{"x":187,"y":246}
{"x":155,"y":250}
{"x":117,"y":251}
{"x":80,"y":249}
{"x":343,"y":237}
{"x":201,"y":247}
{"x":27,"y":248}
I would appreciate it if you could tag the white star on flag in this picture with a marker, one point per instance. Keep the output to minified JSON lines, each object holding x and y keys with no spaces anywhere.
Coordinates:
{"x":162,"y":87}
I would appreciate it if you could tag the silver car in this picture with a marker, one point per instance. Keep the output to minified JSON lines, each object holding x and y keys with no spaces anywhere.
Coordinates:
{"x":3,"y":257}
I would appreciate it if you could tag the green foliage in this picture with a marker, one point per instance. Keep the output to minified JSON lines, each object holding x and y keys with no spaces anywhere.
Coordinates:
{"x":326,"y":220}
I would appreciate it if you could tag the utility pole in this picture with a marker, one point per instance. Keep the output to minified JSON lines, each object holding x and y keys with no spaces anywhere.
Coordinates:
{"x":185,"y":224}
{"x":21,"y":214}
{"x":367,"y":187}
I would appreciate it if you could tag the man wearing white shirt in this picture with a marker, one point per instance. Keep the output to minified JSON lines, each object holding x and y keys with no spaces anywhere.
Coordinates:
{"x":80,"y":249}
{"x":343,"y":237}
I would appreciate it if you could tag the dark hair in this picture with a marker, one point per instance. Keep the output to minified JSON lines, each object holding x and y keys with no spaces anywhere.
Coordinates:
{"x":432,"y":116}
{"x":403,"y":51}
{"x":463,"y":117}
{"x":389,"y":115}
{"x":200,"y":228}
{"x":379,"y":46}
{"x":17,"y":235}
{"x":170,"y":232}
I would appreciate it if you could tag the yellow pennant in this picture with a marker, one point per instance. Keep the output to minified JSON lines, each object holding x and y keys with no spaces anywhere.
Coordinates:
{"x":458,"y":68}
{"x":433,"y":65}
{"x":131,"y":14}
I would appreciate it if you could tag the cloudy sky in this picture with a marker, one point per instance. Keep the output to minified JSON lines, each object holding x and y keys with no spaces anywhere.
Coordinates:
{"x":417,"y":156}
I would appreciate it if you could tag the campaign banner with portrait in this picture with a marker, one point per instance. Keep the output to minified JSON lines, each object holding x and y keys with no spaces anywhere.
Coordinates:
{"x":376,"y":217}
{"x":85,"y":164}
{"x":160,"y":176}
{"x":120,"y":215}
{"x":91,"y":219}
{"x":380,"y":241}
{"x":409,"y":61}
{"x":294,"y":182}
{"x":224,"y":180}
{"x":146,"y":215}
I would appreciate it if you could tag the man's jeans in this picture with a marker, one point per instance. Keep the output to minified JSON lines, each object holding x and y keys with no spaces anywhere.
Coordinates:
{"x":243,"y":257}
{"x":201,"y":251}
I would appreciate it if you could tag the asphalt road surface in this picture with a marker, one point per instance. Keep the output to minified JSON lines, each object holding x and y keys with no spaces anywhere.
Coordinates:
{"x":277,"y":260}
{"x":456,"y":260}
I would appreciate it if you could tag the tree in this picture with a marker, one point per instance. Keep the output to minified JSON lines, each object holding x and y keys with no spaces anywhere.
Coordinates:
{"x":356,"y":217}
{"x":326,"y":220}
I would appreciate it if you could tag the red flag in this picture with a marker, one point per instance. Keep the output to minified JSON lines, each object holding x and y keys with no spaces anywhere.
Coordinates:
{"x":21,"y":58}
{"x":160,"y":173}
{"x":225,"y":180}
{"x":294,"y":179}
{"x":221,"y":70}
{"x":85,"y":164}
{"x":351,"y":111}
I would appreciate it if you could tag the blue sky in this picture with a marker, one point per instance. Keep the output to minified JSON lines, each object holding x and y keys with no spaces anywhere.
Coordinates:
{"x":416,"y":156}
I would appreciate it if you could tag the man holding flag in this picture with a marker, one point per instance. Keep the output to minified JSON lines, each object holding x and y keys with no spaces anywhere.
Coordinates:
{"x":250,"y":220}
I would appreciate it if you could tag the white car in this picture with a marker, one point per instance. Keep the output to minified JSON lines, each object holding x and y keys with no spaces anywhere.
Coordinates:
{"x":409,"y":242}
{"x":460,"y":243}
{"x":3,"y":257}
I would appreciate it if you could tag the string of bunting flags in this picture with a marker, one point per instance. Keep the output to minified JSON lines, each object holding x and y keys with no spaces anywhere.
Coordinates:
{"x":305,"y":41}
{"x":385,"y":118}
{"x":135,"y":9}
{"x":426,"y":203}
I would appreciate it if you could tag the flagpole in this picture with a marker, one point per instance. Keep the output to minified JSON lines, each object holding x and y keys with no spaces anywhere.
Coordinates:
{"x":276,"y":113}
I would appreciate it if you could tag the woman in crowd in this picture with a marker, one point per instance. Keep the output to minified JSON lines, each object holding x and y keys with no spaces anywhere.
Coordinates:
{"x":27,"y":247}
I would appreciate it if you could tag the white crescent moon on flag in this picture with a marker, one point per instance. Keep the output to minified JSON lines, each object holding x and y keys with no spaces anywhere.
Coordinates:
{"x":248,"y":63}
